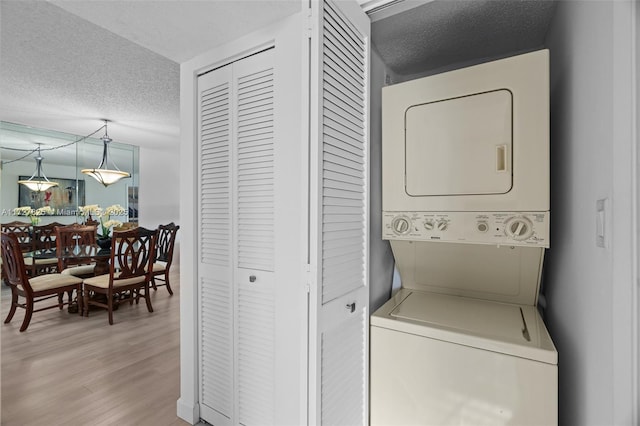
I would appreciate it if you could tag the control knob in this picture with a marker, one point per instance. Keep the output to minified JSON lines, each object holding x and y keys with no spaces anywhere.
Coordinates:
{"x":442,"y":225}
{"x":401,"y":225}
{"x":518,"y":228}
{"x":429,"y":225}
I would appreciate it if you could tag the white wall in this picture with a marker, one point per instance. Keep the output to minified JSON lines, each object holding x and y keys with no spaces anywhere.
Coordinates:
{"x":380,"y":257}
{"x":589,"y":288}
{"x":159,"y":186}
{"x":159,"y":190}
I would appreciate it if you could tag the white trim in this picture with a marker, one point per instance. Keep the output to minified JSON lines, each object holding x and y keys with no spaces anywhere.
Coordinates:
{"x":624,"y":204}
{"x":380,"y":9}
{"x":635,"y":110}
{"x":188,"y":413}
{"x":188,"y":405}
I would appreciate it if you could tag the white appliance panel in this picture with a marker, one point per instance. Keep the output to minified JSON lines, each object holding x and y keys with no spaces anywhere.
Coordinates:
{"x":459,"y":146}
{"x":472,"y":139}
{"x":529,"y":229}
{"x":436,"y":382}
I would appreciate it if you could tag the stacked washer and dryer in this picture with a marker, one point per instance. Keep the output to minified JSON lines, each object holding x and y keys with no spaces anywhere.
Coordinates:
{"x":466,"y":210}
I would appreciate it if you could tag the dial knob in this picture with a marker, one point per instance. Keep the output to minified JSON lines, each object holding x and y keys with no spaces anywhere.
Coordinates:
{"x":482,"y":226}
{"x":401,"y":225}
{"x":518,"y":228}
{"x":429,"y":225}
{"x":443,"y":225}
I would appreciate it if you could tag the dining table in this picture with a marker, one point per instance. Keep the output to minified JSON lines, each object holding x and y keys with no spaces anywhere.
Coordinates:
{"x":88,"y":252}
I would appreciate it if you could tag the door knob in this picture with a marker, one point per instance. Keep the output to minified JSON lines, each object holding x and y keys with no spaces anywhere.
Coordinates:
{"x":252,"y":279}
{"x":351,"y":307}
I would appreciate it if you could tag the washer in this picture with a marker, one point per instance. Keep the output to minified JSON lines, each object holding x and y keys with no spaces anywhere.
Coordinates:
{"x":439,"y":359}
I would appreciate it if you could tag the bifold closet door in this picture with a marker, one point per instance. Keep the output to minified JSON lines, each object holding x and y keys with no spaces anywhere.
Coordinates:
{"x":253,"y":88}
{"x":236,"y":247}
{"x":215,"y":255}
{"x":339,"y":378}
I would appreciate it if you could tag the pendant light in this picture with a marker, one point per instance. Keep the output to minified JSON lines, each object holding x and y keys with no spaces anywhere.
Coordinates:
{"x":103,"y":174}
{"x":38,"y":182}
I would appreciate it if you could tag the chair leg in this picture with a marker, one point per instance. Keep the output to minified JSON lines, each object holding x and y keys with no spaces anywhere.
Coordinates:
{"x":14,"y":305}
{"x":153,"y":283}
{"x":110,"y":307}
{"x":85,"y":304}
{"x":27,"y":315}
{"x":79,"y":299}
{"x":147,"y":297}
{"x":60,"y":300}
{"x":166,"y":280}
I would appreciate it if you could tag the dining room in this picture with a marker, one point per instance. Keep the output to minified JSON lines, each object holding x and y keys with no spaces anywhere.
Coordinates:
{"x":92,"y":351}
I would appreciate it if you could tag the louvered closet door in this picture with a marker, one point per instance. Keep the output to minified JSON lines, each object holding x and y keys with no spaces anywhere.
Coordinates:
{"x":253,"y":80}
{"x":236,"y":246}
{"x":216,"y":295}
{"x":342,"y":237}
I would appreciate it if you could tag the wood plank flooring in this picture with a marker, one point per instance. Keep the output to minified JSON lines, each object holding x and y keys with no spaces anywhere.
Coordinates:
{"x":71,"y":370}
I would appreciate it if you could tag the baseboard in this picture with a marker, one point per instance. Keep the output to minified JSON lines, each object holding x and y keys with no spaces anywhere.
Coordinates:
{"x":188,"y":411}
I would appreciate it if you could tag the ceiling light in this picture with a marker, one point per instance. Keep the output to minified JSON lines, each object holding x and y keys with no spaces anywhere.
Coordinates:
{"x":103,"y":174}
{"x":40,"y":182}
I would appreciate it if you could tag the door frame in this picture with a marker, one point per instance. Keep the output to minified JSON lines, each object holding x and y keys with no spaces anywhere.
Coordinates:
{"x":286,"y":36}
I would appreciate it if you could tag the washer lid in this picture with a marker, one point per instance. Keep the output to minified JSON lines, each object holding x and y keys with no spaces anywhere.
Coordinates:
{"x":500,"y":327}
{"x":507,"y":274}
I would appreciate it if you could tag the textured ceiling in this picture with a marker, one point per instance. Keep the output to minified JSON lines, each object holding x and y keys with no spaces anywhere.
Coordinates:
{"x":180,"y":30}
{"x":439,"y":34}
{"x":67,"y":65}
{"x":60,"y":72}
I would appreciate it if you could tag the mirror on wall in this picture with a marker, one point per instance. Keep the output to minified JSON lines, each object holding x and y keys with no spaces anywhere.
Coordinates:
{"x":64,"y":156}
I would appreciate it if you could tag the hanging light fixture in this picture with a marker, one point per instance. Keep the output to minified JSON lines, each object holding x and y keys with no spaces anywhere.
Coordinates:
{"x":103,"y":174}
{"x":38,"y":181}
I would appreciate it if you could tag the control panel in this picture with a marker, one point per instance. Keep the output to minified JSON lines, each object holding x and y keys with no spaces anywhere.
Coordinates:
{"x":508,"y":228}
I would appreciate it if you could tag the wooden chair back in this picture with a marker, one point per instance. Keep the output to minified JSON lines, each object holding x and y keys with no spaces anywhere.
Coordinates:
{"x":44,"y":236}
{"x":166,"y":242}
{"x":15,"y":271}
{"x":132,"y":253}
{"x":68,"y":236}
{"x":22,"y":231}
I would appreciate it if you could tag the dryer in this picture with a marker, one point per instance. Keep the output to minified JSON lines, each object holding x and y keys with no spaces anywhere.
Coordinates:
{"x":465,"y":154}
{"x":466,"y":210}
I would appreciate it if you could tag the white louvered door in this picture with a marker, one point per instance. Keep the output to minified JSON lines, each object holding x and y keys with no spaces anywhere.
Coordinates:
{"x":253,"y":82}
{"x":215,"y":262}
{"x":236,"y":247}
{"x":339,"y":377}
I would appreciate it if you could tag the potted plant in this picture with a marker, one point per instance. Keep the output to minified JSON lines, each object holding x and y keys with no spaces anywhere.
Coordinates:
{"x":105,"y":219}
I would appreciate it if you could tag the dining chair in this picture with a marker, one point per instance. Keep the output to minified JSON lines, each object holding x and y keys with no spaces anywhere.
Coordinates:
{"x":130,"y":269}
{"x":67,"y":238}
{"x":32,"y":289}
{"x":44,"y":238}
{"x":164,"y":255}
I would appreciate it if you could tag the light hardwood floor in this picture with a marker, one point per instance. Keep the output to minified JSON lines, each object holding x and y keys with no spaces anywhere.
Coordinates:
{"x":74,"y":371}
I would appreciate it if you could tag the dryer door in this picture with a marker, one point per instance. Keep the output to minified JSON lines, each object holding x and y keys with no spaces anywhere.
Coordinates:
{"x":460,"y":146}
